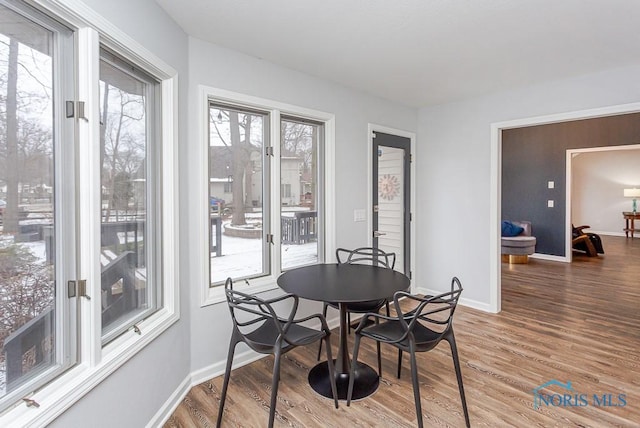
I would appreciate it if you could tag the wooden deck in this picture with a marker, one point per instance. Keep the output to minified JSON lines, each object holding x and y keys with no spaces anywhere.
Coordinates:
{"x":577,"y":323}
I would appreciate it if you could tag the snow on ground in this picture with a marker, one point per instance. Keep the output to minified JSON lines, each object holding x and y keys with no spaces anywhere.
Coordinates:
{"x":241,"y":257}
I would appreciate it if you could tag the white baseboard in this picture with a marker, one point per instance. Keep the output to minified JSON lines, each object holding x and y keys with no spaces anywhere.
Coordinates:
{"x":210,"y":372}
{"x":600,"y":232}
{"x":169,"y":407}
{"x":539,"y":256}
{"x":475,"y":304}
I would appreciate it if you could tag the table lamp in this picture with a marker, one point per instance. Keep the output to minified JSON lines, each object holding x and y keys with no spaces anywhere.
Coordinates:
{"x":635,"y":194}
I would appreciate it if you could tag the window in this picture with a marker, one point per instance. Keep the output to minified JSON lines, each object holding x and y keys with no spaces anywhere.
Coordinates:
{"x":300,"y":199}
{"x":285,"y":192}
{"x":239,"y":225}
{"x":129,"y":99}
{"x":273,"y":157}
{"x":88,"y":231}
{"x":35,"y":319}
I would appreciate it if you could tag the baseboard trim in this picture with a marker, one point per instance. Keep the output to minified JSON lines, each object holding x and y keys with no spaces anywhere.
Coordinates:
{"x":549,"y":257}
{"x":470,"y":303}
{"x":167,"y":409}
{"x":210,"y":372}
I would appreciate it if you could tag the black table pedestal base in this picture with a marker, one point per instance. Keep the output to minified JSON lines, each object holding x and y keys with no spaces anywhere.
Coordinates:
{"x":366,"y":381}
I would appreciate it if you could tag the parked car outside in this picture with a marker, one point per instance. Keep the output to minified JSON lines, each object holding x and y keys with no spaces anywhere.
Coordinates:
{"x":216,"y":202}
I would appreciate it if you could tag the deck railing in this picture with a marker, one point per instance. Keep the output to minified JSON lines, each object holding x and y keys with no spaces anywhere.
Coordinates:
{"x":301,"y":228}
{"x":37,"y":334}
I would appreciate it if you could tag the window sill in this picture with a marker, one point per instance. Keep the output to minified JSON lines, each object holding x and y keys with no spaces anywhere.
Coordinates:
{"x":64,"y":392}
{"x":215,"y":295}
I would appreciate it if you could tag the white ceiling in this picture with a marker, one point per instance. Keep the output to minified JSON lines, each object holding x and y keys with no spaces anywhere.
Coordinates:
{"x":423,"y":52}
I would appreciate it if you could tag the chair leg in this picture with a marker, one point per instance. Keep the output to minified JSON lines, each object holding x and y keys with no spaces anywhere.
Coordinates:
{"x":227,"y":375}
{"x":332,"y":371}
{"x":456,"y":363}
{"x":379,"y":355}
{"x":274,"y":385}
{"x":379,"y":359}
{"x":356,"y":348}
{"x":416,"y":384}
{"x":399,"y":362}
{"x":324,"y":314}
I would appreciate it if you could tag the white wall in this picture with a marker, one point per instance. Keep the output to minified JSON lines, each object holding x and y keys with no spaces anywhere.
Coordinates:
{"x":132,"y":395}
{"x":453,"y":164}
{"x":221,"y":68}
{"x":598,"y":182}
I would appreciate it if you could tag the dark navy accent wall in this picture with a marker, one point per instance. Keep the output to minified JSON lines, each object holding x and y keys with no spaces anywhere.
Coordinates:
{"x":534,"y":155}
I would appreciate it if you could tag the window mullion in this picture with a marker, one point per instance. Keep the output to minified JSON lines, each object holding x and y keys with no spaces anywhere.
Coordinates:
{"x":89,"y":195}
{"x":275,"y":192}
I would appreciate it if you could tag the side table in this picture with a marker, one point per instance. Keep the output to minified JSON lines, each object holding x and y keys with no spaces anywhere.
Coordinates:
{"x":629,"y":218}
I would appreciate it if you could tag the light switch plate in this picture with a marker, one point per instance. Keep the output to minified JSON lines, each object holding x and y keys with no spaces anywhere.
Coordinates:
{"x":550,"y":203}
{"x":551,"y":185}
{"x":359,"y":215}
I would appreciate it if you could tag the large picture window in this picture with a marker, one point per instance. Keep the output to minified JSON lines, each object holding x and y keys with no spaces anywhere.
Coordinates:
{"x":265,"y":191}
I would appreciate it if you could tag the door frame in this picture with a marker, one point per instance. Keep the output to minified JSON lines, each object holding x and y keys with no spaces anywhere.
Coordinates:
{"x":495,"y":197}
{"x":569,"y":192}
{"x":373,"y":128}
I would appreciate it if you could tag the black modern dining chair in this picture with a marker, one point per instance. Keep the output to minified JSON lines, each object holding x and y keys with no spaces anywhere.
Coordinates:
{"x":419,"y":330}
{"x":363,"y":255}
{"x":256,"y":323}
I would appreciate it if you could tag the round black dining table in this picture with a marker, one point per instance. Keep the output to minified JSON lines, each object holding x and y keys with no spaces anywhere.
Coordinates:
{"x":342,"y":284}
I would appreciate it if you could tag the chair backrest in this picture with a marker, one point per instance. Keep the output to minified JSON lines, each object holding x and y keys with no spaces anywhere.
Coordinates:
{"x":433,"y":312}
{"x":366,"y":255}
{"x":249,"y":313}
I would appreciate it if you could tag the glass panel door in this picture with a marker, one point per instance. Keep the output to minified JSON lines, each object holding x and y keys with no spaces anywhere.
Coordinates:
{"x":391,"y":214}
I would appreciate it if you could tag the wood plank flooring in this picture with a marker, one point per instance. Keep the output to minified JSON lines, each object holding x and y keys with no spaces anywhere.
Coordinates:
{"x":577,"y":323}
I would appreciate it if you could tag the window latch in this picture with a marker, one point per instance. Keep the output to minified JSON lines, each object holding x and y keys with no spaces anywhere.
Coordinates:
{"x":75,"y":109}
{"x":77,"y":288}
{"x":30,"y":402}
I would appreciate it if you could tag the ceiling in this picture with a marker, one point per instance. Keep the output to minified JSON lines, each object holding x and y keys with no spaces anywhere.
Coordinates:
{"x":423,"y":52}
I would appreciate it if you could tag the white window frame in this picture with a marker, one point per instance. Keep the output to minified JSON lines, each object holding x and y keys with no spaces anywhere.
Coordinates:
{"x":98,"y":362}
{"x":153,"y":238}
{"x":206,"y":95}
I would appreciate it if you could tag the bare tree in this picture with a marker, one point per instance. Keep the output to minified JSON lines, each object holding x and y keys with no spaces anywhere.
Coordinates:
{"x":10,"y":216}
{"x":25,"y":139}
{"x":301,"y":140}
{"x":26,"y":287}
{"x":121,"y":147}
{"x":240,"y":147}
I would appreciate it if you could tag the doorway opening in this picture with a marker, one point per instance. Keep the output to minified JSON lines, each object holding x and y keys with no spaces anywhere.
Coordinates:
{"x":605,"y":172}
{"x":497,"y":129}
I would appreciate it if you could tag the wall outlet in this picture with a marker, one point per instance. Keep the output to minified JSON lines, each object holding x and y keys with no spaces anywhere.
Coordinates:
{"x":551,"y":185}
{"x":550,"y":203}
{"x":359,"y":215}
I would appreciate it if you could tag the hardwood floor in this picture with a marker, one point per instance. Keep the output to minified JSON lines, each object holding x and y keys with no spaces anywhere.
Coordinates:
{"x":577,"y":323}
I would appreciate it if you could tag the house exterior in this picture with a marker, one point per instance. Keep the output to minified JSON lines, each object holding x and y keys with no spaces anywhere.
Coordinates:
{"x":454,"y":163}
{"x":221,"y":178}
